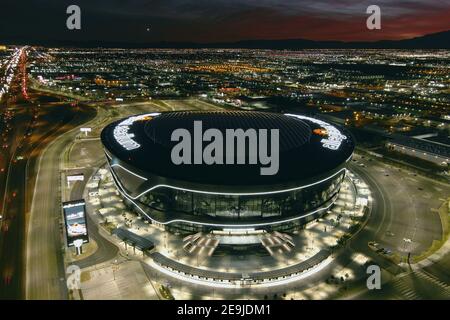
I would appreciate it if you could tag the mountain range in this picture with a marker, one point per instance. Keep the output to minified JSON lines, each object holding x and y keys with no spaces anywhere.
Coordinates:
{"x":440,"y":40}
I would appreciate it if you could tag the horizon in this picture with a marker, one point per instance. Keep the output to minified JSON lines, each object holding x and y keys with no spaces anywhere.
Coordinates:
{"x":248,"y":44}
{"x":227,"y":155}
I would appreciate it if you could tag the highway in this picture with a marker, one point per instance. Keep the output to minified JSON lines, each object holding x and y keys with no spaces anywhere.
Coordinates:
{"x":25,"y":128}
{"x":49,"y":123}
{"x":46,"y":278}
{"x":37,"y":128}
{"x":45,"y":274}
{"x":402,"y":218}
{"x":13,"y":195}
{"x":30,"y":121}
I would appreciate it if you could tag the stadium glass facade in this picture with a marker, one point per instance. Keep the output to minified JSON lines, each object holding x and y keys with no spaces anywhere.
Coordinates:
{"x":205,"y":198}
{"x":197,"y":208}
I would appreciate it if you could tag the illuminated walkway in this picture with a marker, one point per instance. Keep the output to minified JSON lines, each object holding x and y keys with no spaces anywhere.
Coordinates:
{"x":312,"y":246}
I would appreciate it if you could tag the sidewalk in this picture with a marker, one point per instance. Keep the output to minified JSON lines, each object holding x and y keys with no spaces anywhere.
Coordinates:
{"x":124,"y":280}
{"x":325,"y":233}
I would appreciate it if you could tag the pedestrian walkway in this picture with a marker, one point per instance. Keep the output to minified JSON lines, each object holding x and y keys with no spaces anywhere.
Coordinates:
{"x":106,"y":207}
{"x":125,"y":280}
{"x":418,"y":285}
{"x":403,"y":289}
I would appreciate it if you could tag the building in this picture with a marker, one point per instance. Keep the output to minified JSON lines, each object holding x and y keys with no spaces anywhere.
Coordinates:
{"x":423,"y":147}
{"x":190,"y":198}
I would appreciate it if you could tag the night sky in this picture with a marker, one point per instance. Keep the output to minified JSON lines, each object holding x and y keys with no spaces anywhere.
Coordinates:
{"x":145,"y":21}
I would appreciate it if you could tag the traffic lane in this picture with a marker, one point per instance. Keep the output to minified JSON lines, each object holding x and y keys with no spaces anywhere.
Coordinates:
{"x":44,"y":250}
{"x":12,"y":233}
{"x":11,"y":139}
{"x":411,"y":209}
{"x":416,"y":224}
{"x":43,"y":236}
{"x":375,"y":227}
{"x":106,"y":250}
{"x":12,"y":245}
{"x":404,"y":213}
{"x":12,"y":240}
{"x":44,"y":232}
{"x":381,"y":207}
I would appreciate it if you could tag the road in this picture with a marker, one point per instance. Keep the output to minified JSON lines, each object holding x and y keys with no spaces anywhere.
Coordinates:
{"x":105,"y":249}
{"x":402,"y":210}
{"x":45,"y":274}
{"x":404,"y":221}
{"x":49,"y":124}
{"x":46,"y":278}
{"x":30,"y":120}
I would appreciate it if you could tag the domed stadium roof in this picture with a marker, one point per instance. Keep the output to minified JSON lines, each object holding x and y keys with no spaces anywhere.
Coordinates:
{"x":308,"y":147}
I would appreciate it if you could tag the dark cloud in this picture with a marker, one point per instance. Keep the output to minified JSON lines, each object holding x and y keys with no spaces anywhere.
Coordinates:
{"x":220,"y":20}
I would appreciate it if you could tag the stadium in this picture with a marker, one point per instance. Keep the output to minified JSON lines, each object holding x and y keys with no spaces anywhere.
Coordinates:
{"x":235,"y":197}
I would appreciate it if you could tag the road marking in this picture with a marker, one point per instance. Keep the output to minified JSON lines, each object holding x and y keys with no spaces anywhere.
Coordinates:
{"x":33,"y":204}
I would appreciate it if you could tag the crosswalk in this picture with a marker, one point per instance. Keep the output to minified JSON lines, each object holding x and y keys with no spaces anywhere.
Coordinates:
{"x":404,"y":291}
{"x":410,"y":286}
{"x":444,"y":287}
